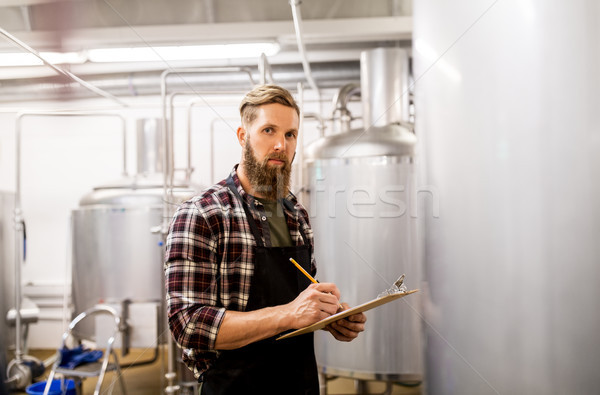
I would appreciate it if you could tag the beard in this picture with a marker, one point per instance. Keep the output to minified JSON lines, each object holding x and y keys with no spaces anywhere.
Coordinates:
{"x":272,"y":182}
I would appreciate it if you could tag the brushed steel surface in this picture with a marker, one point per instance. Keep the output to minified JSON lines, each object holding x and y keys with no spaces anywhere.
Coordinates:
{"x":384,"y":86}
{"x":513,"y":261}
{"x":115,"y":256}
{"x":364,"y":239}
{"x":389,"y":140}
{"x":149,"y":149}
{"x":7,"y":260}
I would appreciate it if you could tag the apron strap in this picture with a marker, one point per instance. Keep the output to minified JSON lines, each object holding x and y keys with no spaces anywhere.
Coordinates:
{"x":290,"y":207}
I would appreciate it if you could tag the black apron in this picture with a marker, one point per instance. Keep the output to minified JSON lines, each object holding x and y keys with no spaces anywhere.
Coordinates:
{"x":269,"y":366}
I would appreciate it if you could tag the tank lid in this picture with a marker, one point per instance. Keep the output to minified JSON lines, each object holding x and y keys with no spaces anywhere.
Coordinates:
{"x":389,"y":140}
{"x":123,"y":197}
{"x":139,"y":190}
{"x":138,"y":181}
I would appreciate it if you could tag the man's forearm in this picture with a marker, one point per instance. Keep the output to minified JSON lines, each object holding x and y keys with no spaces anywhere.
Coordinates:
{"x":315,"y":303}
{"x":241,"y":328}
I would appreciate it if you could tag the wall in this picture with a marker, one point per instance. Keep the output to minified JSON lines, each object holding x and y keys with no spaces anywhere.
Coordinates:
{"x":63,"y":159}
{"x":507,"y":115}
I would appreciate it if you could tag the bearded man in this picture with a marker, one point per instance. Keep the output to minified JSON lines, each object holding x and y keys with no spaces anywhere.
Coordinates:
{"x":231,"y":288}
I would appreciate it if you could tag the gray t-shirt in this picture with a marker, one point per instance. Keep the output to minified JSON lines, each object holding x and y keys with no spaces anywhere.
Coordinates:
{"x":280,"y":234}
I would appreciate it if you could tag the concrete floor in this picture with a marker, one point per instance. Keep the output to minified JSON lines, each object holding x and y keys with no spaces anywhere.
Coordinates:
{"x":148,"y":379}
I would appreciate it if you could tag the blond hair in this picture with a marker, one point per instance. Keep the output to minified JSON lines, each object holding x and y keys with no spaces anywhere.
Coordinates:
{"x":265,"y":94}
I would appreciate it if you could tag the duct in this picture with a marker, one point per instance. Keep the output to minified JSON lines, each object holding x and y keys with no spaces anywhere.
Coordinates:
{"x":330,"y":75}
{"x":384,"y":103}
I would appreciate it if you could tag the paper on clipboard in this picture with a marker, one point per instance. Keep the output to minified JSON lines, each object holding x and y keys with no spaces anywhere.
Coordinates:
{"x":346,"y":313}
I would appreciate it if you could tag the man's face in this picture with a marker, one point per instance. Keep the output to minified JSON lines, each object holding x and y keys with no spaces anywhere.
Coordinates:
{"x":270,"y":145}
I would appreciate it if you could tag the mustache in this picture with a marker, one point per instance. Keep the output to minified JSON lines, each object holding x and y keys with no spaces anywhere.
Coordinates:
{"x":277,"y":156}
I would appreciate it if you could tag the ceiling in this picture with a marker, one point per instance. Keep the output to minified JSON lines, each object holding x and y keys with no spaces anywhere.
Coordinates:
{"x":47,"y":15}
{"x":333,"y":30}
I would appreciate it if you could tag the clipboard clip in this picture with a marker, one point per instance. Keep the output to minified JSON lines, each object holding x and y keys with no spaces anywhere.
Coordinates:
{"x":397,"y":287}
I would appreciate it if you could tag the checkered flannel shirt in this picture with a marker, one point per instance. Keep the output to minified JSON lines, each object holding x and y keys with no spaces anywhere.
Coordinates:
{"x":209,"y":264}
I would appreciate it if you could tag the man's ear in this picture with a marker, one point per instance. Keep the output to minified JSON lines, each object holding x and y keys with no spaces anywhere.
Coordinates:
{"x":241,"y":135}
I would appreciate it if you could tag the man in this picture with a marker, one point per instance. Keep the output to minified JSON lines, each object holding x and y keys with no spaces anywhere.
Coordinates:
{"x":231,"y":288}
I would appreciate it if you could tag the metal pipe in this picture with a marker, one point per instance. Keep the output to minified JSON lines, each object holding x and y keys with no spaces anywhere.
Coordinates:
{"x":171,"y":156}
{"x":18,"y":213}
{"x":167,"y":139}
{"x":297,"y":16}
{"x":330,"y":75}
{"x":168,"y":181}
{"x":170,"y":375}
{"x":149,"y":144}
{"x":62,"y":71}
{"x":142,"y":363}
{"x":341,"y":99}
{"x":211,"y":137}
{"x":300,"y":146}
{"x":320,"y":119}
{"x":192,"y":103}
{"x":188,"y":170}
{"x":167,"y":136}
{"x":188,"y":173}
{"x":19,"y":246}
{"x":341,"y":115}
{"x":213,"y":122}
{"x":264,"y":70}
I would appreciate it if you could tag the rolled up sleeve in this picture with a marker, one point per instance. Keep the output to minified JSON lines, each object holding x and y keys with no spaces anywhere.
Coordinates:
{"x":191,"y":272}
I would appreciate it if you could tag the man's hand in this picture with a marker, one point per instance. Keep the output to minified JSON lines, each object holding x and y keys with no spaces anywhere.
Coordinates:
{"x":240,"y":328}
{"x":316,"y":302}
{"x":347,"y":329}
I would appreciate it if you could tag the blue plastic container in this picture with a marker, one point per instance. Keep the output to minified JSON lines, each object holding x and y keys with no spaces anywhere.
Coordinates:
{"x":38,"y":388}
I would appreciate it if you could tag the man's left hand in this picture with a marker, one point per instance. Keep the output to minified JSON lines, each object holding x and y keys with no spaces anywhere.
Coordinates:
{"x":347,"y":329}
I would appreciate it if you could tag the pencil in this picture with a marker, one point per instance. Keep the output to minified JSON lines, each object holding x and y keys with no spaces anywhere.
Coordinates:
{"x":311,"y":278}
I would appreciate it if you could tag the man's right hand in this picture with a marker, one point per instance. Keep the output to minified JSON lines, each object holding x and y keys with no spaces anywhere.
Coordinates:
{"x":240,"y":328}
{"x":316,"y":302}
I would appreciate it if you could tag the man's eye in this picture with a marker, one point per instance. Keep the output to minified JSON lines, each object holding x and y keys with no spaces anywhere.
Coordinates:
{"x":290,"y":134}
{"x":268,"y":130}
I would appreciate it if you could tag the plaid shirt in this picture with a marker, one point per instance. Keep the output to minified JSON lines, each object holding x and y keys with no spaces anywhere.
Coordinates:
{"x":209,"y":264}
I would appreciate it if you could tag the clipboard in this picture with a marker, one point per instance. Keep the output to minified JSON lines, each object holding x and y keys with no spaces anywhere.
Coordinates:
{"x":346,"y":313}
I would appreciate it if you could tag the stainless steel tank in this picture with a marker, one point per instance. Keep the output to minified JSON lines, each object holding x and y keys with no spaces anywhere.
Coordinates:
{"x":510,"y":132}
{"x":7,"y":277}
{"x":359,"y":193}
{"x":116,"y":256}
{"x":7,"y":248}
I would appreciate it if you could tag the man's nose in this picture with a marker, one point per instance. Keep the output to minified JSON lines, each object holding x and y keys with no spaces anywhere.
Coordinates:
{"x":279,"y":143}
